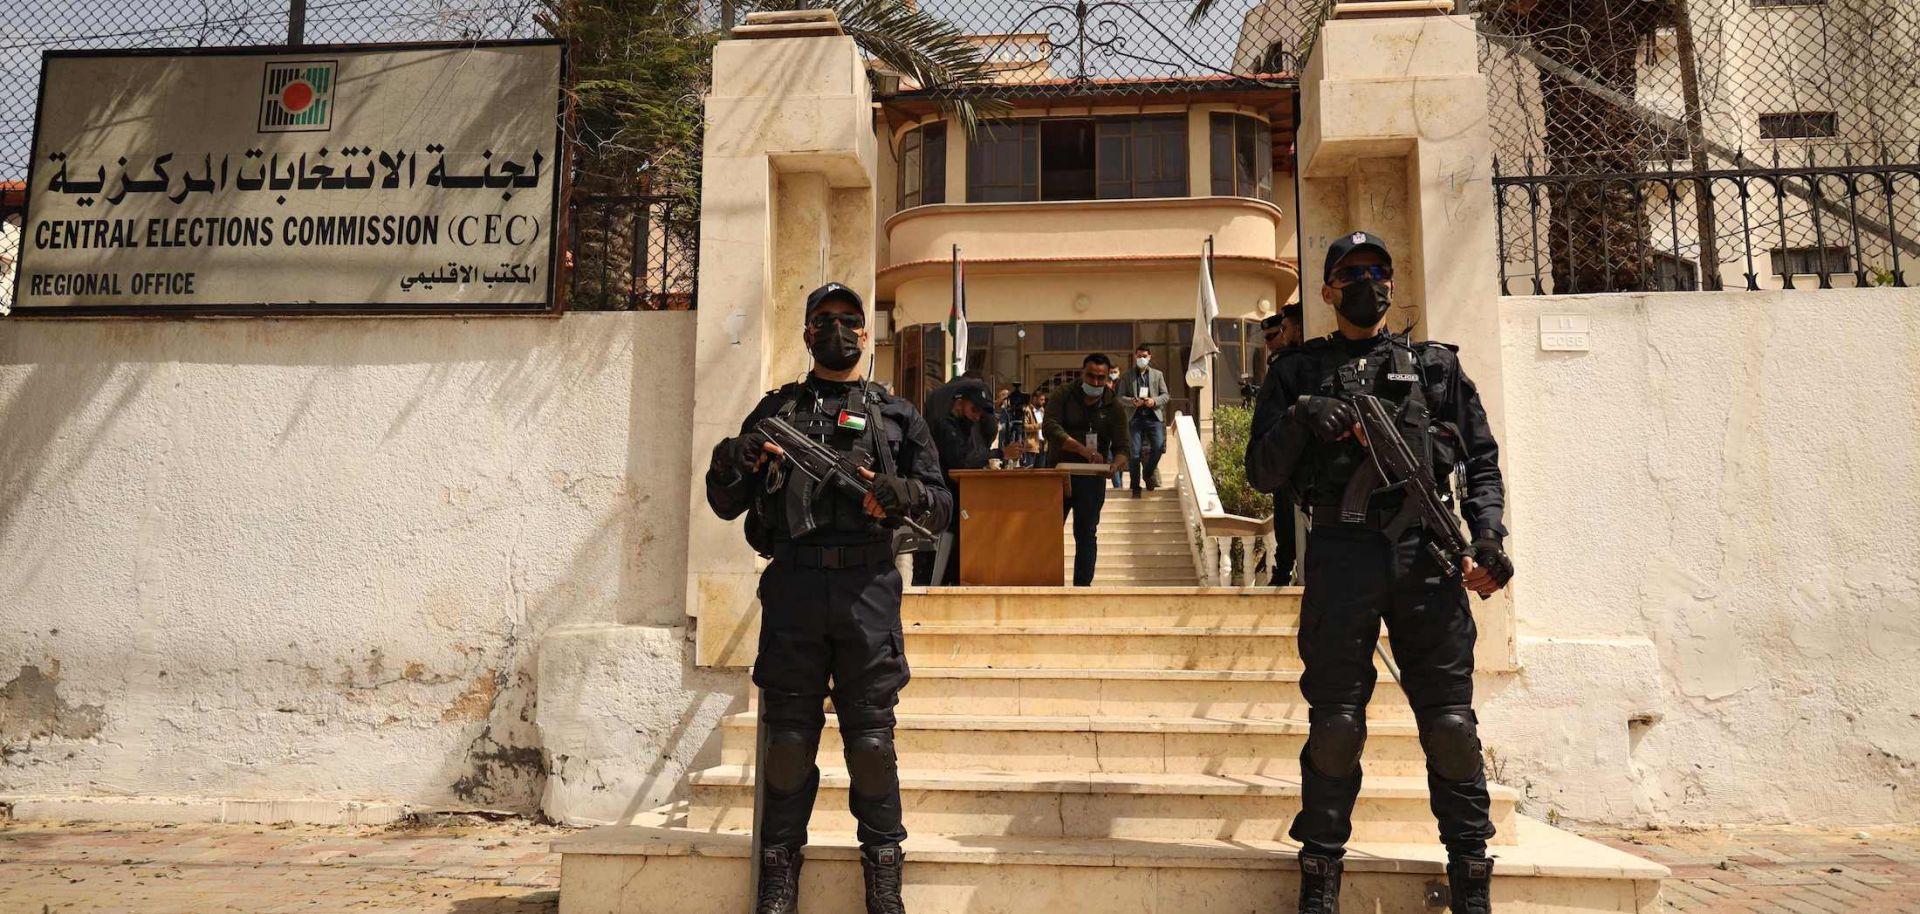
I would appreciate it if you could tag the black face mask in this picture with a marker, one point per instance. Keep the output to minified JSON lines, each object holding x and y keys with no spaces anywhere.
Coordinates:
{"x":1364,"y":303}
{"x":836,"y":348}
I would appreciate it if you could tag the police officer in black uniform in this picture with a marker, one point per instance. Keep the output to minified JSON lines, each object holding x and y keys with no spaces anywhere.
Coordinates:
{"x":1282,"y":332}
{"x":830,"y":600}
{"x":1305,"y":442}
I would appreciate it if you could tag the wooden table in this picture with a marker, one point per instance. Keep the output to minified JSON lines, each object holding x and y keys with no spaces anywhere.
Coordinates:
{"x":1010,"y":523}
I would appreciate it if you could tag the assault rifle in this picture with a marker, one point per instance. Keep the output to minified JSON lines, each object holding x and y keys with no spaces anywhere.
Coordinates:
{"x":1394,"y":464}
{"x":823,"y":464}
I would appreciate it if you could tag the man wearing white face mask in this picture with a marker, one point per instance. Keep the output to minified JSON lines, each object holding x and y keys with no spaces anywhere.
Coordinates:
{"x":1144,"y":388}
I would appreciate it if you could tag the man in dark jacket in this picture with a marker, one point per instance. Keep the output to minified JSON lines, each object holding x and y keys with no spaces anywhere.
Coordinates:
{"x":956,"y":436}
{"x":1365,"y":564}
{"x":830,"y":599}
{"x":1087,"y":423}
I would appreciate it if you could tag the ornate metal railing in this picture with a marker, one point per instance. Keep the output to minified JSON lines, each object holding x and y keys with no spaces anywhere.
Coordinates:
{"x":1745,"y":226}
{"x":1128,"y":47}
{"x":632,"y":253}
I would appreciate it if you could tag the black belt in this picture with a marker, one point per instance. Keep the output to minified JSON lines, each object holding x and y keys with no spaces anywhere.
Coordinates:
{"x":862,"y":555}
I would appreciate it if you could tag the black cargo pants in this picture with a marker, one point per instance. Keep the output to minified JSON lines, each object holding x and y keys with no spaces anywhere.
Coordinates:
{"x":1354,"y":579}
{"x":830,"y":632}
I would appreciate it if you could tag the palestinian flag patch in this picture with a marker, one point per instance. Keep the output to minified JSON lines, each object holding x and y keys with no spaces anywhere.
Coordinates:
{"x":852,"y":421}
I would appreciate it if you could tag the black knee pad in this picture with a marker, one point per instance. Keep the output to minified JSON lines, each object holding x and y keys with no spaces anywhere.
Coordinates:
{"x":871,"y":763}
{"x":1335,"y":739}
{"x":790,"y":759}
{"x":1451,"y":738}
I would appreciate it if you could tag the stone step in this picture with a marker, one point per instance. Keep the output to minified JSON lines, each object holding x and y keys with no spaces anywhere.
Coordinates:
{"x":1171,"y":539}
{"x":1072,"y":647}
{"x":1142,"y":546}
{"x":1208,"y":694}
{"x":1163,"y":807}
{"x":1102,"y":606}
{"x":1137,"y":559}
{"x":1113,"y":574}
{"x":1130,"y":507}
{"x":1108,"y":519}
{"x":657,"y":866}
{"x":1104,"y":744}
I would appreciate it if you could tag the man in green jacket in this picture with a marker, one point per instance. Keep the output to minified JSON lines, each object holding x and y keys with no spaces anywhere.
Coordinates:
{"x":1086,"y":423}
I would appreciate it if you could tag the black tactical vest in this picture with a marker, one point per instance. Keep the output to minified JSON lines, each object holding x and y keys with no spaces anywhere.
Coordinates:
{"x":792,"y":507}
{"x":1408,"y":384}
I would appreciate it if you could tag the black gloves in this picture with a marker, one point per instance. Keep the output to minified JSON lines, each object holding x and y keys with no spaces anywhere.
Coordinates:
{"x":1488,"y":554}
{"x":899,"y":496}
{"x":1329,"y":418}
{"x":744,"y":453}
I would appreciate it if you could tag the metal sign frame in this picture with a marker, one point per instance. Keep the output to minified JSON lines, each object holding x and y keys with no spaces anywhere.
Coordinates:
{"x":554,"y":300}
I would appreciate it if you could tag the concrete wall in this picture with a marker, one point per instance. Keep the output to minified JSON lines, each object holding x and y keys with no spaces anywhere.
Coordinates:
{"x":313,"y":558}
{"x":1719,"y":562}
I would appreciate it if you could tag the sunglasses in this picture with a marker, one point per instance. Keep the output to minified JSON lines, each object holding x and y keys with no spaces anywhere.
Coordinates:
{"x":1374,"y":271}
{"x":827,"y":319}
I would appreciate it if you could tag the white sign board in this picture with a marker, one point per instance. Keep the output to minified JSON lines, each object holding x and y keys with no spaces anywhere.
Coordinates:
{"x":1564,"y":333}
{"x":295,"y":180}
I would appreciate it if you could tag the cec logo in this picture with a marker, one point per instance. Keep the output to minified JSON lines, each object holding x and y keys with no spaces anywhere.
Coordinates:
{"x":297,"y":96}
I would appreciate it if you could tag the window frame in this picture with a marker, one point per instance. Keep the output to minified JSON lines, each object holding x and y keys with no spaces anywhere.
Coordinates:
{"x":927,"y":143}
{"x":1024,"y":133}
{"x":1231,"y":134}
{"x":1781,"y":258}
{"x":1163,"y":137}
{"x":1798,"y":121}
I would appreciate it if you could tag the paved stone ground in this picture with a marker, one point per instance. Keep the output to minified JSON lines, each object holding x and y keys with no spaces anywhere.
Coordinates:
{"x":1783,"y":871}
{"x":480,"y":867}
{"x":471,"y":867}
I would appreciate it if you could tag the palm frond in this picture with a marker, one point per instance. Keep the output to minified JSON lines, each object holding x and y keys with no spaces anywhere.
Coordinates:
{"x":923,"y":47}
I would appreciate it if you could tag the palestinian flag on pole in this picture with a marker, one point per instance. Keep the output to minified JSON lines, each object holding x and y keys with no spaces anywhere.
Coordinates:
{"x":957,"y":319}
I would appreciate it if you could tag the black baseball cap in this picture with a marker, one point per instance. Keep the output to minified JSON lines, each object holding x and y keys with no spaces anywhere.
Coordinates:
{"x":1347,"y":244}
{"x":830,"y":292}
{"x":974,"y":392}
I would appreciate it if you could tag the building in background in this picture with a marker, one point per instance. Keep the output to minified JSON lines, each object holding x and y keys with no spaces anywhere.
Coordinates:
{"x":1082,"y":208}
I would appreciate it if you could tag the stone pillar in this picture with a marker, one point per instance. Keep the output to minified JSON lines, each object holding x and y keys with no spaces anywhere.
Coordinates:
{"x":1394,"y":139}
{"x":786,"y":203}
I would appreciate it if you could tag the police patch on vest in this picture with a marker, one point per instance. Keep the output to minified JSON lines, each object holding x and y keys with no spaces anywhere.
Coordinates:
{"x":1397,"y":376}
{"x":852,"y":421}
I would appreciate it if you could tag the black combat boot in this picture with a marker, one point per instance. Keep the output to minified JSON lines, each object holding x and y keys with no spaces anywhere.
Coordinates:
{"x":1470,"y":885}
{"x":1319,"y":884}
{"x":881,"y":865}
{"x":779,"y":880}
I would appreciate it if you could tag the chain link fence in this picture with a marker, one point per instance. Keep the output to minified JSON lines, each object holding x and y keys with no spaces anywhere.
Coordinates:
{"x":1690,"y":144}
{"x":1138,"y":47}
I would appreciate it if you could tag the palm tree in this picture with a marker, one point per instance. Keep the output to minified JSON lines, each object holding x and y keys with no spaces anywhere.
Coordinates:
{"x":1597,"y":230}
{"x":641,"y":69}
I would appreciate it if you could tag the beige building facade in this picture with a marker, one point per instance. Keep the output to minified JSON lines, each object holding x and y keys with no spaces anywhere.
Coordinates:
{"x":1081,"y":228}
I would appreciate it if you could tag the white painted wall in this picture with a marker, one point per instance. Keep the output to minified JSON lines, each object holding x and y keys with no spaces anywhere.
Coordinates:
{"x":1717,"y":524}
{"x":313,"y":558}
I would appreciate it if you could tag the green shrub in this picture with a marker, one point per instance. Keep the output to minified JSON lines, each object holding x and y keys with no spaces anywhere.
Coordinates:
{"x":1226,"y":458}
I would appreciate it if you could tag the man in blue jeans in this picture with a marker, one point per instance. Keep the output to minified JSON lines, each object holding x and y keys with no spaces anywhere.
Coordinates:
{"x":1144,"y":388}
{"x":1086,"y":422}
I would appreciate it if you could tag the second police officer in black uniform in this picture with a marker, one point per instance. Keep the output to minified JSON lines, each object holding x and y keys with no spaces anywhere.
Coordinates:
{"x":830,"y":599}
{"x":1303,"y":442}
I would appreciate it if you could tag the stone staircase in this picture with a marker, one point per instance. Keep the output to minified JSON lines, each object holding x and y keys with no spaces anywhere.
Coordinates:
{"x":1124,"y":750}
{"x":1143,"y":542}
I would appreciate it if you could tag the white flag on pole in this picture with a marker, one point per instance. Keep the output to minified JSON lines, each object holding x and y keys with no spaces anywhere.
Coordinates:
{"x":1206,"y":308}
{"x":957,"y":319}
